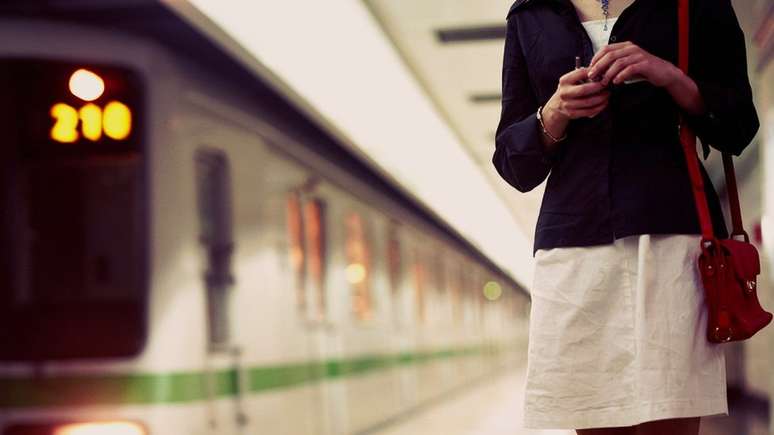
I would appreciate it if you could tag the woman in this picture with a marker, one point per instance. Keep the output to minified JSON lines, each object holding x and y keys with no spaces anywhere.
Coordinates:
{"x":617,"y":328}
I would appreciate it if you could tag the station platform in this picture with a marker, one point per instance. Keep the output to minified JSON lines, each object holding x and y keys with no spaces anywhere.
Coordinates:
{"x":494,"y":407}
{"x":491,"y":407}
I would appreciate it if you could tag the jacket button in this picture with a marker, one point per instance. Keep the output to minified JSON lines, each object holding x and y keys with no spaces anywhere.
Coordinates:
{"x":612,"y":38}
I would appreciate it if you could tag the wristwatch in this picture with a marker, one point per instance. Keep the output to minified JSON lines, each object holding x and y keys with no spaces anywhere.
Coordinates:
{"x":543,"y":127}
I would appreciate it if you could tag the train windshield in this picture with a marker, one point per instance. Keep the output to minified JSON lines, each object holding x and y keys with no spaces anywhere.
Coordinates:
{"x":72,"y":267}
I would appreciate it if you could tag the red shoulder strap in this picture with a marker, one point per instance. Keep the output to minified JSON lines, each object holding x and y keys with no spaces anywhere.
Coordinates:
{"x":733,"y":197}
{"x":688,"y":139}
{"x":684,"y":31}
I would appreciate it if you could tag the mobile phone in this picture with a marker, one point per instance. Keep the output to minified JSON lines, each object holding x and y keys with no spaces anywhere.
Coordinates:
{"x":634,"y":79}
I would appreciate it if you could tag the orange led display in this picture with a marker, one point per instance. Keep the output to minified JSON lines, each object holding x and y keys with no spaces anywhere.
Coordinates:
{"x":91,"y":121}
{"x":115,"y":121}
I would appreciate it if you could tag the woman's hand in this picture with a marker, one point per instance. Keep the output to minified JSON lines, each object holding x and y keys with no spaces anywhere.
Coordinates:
{"x":625,"y":60}
{"x":621,"y":61}
{"x":573,"y":99}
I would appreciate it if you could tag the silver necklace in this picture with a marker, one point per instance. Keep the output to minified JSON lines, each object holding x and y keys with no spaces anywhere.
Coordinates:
{"x":605,"y":10}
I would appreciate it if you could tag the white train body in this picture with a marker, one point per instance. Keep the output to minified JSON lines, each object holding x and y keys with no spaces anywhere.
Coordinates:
{"x":261,"y":336}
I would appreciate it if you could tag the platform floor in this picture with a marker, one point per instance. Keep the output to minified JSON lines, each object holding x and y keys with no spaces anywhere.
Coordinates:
{"x":489,"y":408}
{"x":494,"y":407}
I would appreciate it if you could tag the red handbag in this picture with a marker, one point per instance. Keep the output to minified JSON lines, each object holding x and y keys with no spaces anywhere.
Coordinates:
{"x":729,"y":267}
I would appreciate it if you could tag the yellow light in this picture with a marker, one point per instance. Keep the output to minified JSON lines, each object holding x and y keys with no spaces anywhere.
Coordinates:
{"x":492,"y":291}
{"x":86,"y":85}
{"x":117,"y":120}
{"x":109,"y":428}
{"x":355,"y":273}
{"x":91,"y":121}
{"x":65,"y":127}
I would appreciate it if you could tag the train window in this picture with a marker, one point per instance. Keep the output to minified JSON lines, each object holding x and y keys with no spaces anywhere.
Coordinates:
{"x":213,"y":186}
{"x":475,"y":294}
{"x":394,"y":258}
{"x":359,"y":266}
{"x":456,"y":284}
{"x":517,"y":303}
{"x":480,"y":298}
{"x":420,"y":283}
{"x":73,"y":280}
{"x":297,"y":251}
{"x":439,"y":270}
{"x":394,"y":267}
{"x":314,"y":217}
{"x":307,"y":238}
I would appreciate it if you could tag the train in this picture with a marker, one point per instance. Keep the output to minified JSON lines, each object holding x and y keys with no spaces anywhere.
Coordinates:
{"x":186,"y":251}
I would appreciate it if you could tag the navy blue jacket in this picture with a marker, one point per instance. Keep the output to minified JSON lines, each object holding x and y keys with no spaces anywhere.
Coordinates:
{"x":622,"y":172}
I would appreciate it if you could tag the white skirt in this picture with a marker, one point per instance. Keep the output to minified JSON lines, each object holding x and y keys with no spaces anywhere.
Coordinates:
{"x":618,"y":336}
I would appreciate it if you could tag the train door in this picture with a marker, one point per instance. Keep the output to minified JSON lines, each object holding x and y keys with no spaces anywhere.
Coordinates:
{"x":308,"y":231}
{"x":400,"y":273}
{"x":224,"y":373}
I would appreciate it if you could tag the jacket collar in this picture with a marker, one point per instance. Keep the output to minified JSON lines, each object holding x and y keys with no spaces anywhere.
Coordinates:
{"x":520,"y":4}
{"x":563,"y":5}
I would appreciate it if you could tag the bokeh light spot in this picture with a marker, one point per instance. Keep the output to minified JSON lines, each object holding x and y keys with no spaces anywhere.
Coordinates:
{"x":492,"y":290}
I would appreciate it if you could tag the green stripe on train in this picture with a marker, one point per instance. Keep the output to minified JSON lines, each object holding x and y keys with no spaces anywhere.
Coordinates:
{"x":148,"y":388}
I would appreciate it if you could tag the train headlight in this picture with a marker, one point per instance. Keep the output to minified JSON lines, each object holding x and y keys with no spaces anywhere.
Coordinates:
{"x":102,"y":428}
{"x":86,"y":85}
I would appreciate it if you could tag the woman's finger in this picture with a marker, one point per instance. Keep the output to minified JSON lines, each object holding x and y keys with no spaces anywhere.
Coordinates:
{"x":618,"y":65}
{"x":582,"y":90}
{"x":636,"y":69}
{"x":584,"y":103}
{"x":605,"y":61}
{"x":574,"y":76}
{"x":607,"y":49}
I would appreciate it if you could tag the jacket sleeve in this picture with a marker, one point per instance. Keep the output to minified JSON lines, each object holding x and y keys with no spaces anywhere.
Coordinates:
{"x":520,"y":157}
{"x":718,"y":65}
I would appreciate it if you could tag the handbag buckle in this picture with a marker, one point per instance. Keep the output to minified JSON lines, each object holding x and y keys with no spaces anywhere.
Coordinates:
{"x":750,"y":286}
{"x":708,"y":244}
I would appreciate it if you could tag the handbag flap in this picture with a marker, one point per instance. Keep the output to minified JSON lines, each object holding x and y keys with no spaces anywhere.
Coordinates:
{"x":743,"y":257}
